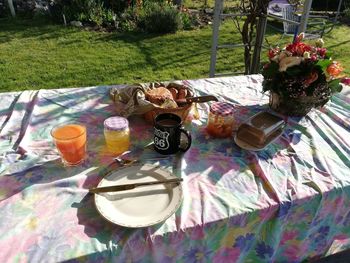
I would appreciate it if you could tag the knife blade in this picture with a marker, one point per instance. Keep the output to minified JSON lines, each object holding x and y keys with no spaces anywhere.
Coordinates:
{"x":124,"y":187}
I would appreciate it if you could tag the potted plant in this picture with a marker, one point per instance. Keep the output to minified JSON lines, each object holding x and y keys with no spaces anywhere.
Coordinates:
{"x":300,"y":77}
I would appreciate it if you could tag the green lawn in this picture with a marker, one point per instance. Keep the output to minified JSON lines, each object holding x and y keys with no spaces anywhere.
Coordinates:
{"x":37,"y":54}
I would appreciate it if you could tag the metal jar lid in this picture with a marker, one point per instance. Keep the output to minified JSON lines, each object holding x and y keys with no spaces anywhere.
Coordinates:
{"x":116,"y":123}
{"x":221,"y":108}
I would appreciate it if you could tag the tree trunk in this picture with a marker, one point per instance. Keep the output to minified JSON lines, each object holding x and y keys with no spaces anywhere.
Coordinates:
{"x":247,"y":31}
{"x":12,"y":9}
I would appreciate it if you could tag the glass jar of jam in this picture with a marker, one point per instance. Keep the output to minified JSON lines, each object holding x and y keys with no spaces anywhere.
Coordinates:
{"x":117,"y":134}
{"x":220,"y":120}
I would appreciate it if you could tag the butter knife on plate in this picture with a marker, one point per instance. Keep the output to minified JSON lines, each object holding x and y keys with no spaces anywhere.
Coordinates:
{"x":123,"y":187}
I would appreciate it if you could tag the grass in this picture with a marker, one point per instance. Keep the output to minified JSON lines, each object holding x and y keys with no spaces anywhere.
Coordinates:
{"x":35,"y":54}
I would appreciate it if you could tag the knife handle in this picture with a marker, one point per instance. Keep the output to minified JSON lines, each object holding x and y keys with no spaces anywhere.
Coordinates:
{"x":113,"y":188}
{"x":205,"y":98}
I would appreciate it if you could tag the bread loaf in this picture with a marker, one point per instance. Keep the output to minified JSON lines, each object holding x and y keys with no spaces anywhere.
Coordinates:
{"x":260,"y":129}
{"x":250,"y":135}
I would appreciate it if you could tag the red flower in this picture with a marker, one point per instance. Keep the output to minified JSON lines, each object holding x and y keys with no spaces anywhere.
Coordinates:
{"x":298,"y":48}
{"x":272,"y":53}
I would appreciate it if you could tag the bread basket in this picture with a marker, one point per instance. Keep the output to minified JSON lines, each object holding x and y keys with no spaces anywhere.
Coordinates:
{"x":149,"y":116}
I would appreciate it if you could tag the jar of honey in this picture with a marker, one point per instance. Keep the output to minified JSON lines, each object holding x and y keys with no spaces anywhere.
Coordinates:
{"x":220,"y":119}
{"x":117,"y":134}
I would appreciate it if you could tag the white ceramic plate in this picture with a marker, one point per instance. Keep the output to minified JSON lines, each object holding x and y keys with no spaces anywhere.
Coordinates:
{"x":142,"y":206}
{"x":247,"y":146}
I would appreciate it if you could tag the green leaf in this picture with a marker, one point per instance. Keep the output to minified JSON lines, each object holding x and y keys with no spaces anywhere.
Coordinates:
{"x":294,"y":71}
{"x":267,"y":85}
{"x":271,"y":70}
{"x":328,"y":54}
{"x":335,"y":86}
{"x":323,"y":64}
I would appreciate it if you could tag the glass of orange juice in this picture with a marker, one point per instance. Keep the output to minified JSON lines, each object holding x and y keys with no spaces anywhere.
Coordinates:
{"x":70,"y":140}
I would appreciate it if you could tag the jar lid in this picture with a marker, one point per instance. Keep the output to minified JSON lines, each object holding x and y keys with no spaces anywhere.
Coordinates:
{"x":221,"y":108}
{"x":116,"y":123}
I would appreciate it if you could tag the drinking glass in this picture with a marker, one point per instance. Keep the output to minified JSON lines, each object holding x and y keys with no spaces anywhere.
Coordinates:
{"x":70,"y":140}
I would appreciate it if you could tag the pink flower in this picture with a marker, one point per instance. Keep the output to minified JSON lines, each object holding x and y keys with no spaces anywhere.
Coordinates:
{"x":138,"y":248}
{"x":197,"y":233}
{"x":9,"y":186}
{"x":226,"y":255}
{"x":11,"y":246}
{"x":321,"y":52}
{"x":288,"y":235}
{"x":313,"y":57}
{"x":292,"y":253}
{"x":267,"y":213}
{"x":176,"y":238}
{"x":346,"y":81}
{"x":341,"y":237}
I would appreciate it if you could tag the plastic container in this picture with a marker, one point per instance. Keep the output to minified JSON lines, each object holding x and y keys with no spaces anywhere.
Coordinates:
{"x":220,"y":120}
{"x":261,"y":129}
{"x":117,"y":134}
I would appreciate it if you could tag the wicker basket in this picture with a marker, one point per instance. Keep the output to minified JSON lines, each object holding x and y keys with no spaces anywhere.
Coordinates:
{"x":149,"y":116}
{"x":294,"y":106}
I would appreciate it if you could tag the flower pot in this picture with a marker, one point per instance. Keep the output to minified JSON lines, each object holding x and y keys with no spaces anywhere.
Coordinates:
{"x":294,"y":106}
{"x":300,"y":77}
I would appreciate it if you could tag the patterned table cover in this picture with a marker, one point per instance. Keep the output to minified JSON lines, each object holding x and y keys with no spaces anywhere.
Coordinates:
{"x":287,"y":203}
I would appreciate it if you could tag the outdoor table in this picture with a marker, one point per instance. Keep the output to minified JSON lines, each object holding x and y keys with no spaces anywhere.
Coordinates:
{"x":286,"y":203}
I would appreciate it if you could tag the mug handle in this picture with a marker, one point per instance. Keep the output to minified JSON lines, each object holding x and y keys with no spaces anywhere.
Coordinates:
{"x":189,"y":139}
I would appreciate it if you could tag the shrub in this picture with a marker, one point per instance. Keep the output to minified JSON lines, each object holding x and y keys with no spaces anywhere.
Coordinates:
{"x":186,"y":21}
{"x":347,"y":13}
{"x":189,"y":20}
{"x":25,"y":8}
{"x":88,"y":11}
{"x":127,"y":21}
{"x":117,"y":6}
{"x":4,"y":10}
{"x":326,"y":5}
{"x":160,"y":18}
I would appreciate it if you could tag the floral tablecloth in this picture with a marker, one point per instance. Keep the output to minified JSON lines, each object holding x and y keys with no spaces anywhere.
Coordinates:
{"x":287,"y":203}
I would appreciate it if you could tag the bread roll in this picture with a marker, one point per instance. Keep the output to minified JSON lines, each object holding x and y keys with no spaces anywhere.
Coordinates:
{"x":182,"y":94}
{"x":158,"y":95}
{"x":174,"y":92}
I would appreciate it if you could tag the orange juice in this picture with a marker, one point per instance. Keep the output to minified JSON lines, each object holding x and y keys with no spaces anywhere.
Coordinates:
{"x":70,"y":140}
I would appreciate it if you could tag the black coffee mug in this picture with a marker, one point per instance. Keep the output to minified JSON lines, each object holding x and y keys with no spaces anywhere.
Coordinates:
{"x":167,"y":134}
